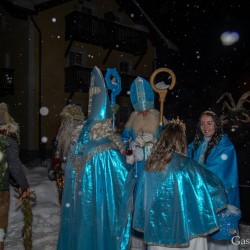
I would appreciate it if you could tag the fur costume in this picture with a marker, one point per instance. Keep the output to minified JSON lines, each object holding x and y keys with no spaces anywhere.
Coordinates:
{"x":10,"y":164}
{"x":71,"y":125}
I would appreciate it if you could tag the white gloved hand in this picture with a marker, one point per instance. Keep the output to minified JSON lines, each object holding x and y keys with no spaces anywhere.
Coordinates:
{"x":148,"y":137}
{"x":130,"y":159}
{"x":139,"y":141}
{"x":137,"y":152}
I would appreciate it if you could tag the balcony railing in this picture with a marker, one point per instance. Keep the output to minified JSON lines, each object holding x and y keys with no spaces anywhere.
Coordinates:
{"x":89,"y":29}
{"x":77,"y":79}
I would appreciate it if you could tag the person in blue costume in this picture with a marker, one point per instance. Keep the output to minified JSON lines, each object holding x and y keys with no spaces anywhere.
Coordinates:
{"x":178,"y":199}
{"x":140,"y":133}
{"x":212,"y":148}
{"x":97,"y":195}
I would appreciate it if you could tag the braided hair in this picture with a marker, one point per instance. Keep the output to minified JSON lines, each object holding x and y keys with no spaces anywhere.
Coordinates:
{"x":215,"y":139}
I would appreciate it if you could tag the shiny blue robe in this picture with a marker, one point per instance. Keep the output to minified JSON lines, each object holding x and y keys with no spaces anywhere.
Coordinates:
{"x":178,"y":204}
{"x":222,"y":161}
{"x":97,"y":197}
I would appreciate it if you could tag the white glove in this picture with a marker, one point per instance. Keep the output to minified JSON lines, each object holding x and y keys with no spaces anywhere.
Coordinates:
{"x":139,"y":141}
{"x":130,"y":159}
{"x":137,"y":152}
{"x":148,"y":137}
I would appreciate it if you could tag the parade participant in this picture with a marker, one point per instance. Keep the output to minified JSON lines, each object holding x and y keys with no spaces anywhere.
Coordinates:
{"x":97,"y":196}
{"x":212,"y":148}
{"x":142,"y":129}
{"x":10,"y":164}
{"x":178,"y":198}
{"x":68,"y":132}
{"x":72,"y":119}
{"x":140,"y":133}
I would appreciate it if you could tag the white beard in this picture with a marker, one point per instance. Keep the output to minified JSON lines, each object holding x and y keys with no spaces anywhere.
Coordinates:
{"x":150,"y":123}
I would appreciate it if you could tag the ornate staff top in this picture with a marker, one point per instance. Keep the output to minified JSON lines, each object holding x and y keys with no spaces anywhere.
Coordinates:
{"x":161,"y":88}
{"x":113,"y":82}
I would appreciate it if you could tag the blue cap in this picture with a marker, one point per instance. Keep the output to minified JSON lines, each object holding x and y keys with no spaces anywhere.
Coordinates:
{"x":99,"y":107}
{"x":141,"y":94}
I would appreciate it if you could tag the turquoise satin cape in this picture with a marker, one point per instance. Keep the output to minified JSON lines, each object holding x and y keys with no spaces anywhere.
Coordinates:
{"x":97,"y":197}
{"x":222,"y":161}
{"x":178,"y":204}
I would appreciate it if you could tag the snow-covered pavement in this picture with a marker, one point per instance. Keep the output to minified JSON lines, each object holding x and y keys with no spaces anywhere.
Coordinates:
{"x":46,"y":212}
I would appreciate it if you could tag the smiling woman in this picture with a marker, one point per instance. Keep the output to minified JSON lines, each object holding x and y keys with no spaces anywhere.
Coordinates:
{"x":207,"y":126}
{"x":213,"y":149}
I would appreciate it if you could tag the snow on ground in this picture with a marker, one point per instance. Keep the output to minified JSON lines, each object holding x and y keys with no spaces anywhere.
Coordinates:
{"x":46,"y":212}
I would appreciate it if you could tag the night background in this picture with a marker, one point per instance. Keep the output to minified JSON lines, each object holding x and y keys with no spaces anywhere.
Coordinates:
{"x":206,"y":68}
{"x":188,"y":39}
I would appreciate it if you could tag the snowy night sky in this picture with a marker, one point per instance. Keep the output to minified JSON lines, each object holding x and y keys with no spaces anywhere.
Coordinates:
{"x":204,"y":66}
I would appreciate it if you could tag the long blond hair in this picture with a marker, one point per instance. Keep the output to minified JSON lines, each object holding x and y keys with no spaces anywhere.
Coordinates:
{"x":172,"y":139}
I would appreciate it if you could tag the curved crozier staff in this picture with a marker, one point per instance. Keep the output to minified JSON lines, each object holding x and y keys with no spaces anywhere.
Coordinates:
{"x":113,"y":82}
{"x":162,"y":89}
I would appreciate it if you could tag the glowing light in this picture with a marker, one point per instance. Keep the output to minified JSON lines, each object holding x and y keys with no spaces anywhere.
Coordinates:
{"x":229,"y":38}
{"x":67,"y":205}
{"x":44,"y":111}
{"x":53,"y":19}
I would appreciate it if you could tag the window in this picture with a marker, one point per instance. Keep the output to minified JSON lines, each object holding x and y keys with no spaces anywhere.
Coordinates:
{"x":87,"y":8}
{"x":125,"y":67}
{"x":76,"y":57}
{"x":2,"y":21}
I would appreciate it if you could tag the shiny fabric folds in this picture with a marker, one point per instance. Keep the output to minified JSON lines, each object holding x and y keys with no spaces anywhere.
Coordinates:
{"x":99,"y":107}
{"x":222,"y":161}
{"x":97,"y":197}
{"x":178,"y":204}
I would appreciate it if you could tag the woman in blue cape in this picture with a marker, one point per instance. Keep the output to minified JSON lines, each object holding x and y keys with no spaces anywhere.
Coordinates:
{"x":97,"y":196}
{"x":178,"y":199}
{"x":213,"y":149}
